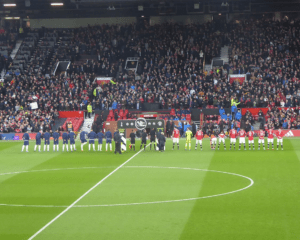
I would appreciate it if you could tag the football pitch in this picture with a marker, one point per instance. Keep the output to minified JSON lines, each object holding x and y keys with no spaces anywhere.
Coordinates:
{"x":150,"y":195}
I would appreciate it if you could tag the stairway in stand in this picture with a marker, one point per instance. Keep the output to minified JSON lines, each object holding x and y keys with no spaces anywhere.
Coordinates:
{"x":225,"y":54}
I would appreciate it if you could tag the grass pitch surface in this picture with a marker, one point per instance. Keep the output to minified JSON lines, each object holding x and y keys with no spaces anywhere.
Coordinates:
{"x":176,"y":194}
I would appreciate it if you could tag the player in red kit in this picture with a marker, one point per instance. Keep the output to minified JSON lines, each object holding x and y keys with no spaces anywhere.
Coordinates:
{"x":199,"y":138}
{"x":176,"y":136}
{"x":280,"y":136}
{"x":242,"y":135}
{"x":232,"y":135}
{"x":261,"y":139}
{"x":250,"y":135}
{"x":271,"y":138}
{"x":222,"y":140}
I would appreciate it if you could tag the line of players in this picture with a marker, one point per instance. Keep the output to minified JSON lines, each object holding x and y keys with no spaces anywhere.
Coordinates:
{"x":233,"y":135}
{"x":68,"y":138}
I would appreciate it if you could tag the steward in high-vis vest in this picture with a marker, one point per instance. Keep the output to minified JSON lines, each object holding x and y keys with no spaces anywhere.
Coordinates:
{"x":89,"y":109}
{"x":95,"y":93}
{"x":70,"y":126}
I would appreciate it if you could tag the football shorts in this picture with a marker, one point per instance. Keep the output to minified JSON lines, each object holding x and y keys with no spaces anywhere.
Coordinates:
{"x":199,"y":142}
{"x":221,"y":140}
{"x":232,"y":140}
{"x":175,"y":140}
{"x":242,"y":140}
{"x":250,"y":141}
{"x":270,"y":140}
{"x":261,"y":140}
{"x":279,"y":140}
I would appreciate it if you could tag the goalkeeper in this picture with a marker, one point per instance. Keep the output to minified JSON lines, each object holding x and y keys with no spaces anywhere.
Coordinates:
{"x":188,"y":135}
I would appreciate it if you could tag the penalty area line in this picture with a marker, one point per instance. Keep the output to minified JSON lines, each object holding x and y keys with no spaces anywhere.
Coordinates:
{"x":82,"y":196}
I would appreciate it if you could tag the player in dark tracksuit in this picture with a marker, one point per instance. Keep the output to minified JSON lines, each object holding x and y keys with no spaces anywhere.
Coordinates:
{"x":100,"y":137}
{"x":118,"y":140}
{"x":92,"y":135}
{"x":56,"y":140}
{"x":132,"y":140}
{"x":143,"y":140}
{"x":26,"y":141}
{"x":47,"y":141}
{"x":65,"y":137}
{"x":152,"y":138}
{"x":83,"y":139}
{"x":161,"y":142}
{"x":72,"y":137}
{"x":38,"y":139}
{"x":108,"y":137}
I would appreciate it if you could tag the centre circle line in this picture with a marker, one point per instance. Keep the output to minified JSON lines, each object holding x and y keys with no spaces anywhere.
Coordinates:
{"x":130,"y":204}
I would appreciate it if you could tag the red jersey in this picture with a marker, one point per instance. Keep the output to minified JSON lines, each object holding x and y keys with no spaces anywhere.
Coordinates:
{"x":261,"y":134}
{"x":199,"y":135}
{"x":232,"y":133}
{"x":280,"y":134}
{"x":250,"y":135}
{"x":270,"y":133}
{"x":176,"y":133}
{"x":221,"y":135}
{"x":242,"y":133}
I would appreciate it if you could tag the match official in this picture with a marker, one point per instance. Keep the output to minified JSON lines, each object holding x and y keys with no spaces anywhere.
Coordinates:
{"x":144,"y":140}
{"x":132,"y":140}
{"x":152,"y":138}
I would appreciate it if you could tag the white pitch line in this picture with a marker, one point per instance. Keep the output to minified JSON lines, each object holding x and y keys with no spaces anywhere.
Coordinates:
{"x":82,"y":196}
{"x":137,"y":203}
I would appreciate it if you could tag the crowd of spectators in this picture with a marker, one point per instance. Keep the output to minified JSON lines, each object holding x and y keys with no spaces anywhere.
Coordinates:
{"x":26,"y":120}
{"x":170,"y":71}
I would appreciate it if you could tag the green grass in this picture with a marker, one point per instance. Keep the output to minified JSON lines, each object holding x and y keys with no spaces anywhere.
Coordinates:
{"x":45,"y":184}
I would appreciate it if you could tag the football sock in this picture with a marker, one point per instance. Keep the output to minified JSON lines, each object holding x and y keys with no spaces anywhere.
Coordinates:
{"x":141,"y":147}
{"x":94,"y":147}
{"x":174,"y":146}
{"x":178,"y":146}
{"x":39,"y":147}
{"x":110,"y":146}
{"x":230,"y":146}
{"x":89,"y":147}
{"x":106,"y":146}
{"x":64,"y":147}
{"x":195,"y":147}
{"x":190,"y":146}
{"x":23,"y":148}
{"x":150,"y":146}
{"x":134,"y":147}
{"x":186,"y":146}
{"x":282,"y":146}
{"x":244,"y":146}
{"x":53,"y":148}
{"x":154,"y":146}
{"x":264,"y":146}
{"x":48,"y":147}
{"x":144,"y":146}
{"x":240,"y":147}
{"x":26,"y":148}
{"x":57,"y":147}
{"x":268,"y":145}
{"x":44,"y":148}
{"x":35,"y":147}
{"x":234,"y":146}
{"x":71,"y":147}
{"x":272,"y":145}
{"x":200,"y":146}
{"x":81,"y":147}
{"x":67,"y":147}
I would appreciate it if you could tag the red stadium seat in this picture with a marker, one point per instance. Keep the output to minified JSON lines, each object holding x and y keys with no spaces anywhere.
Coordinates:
{"x":172,"y":113}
